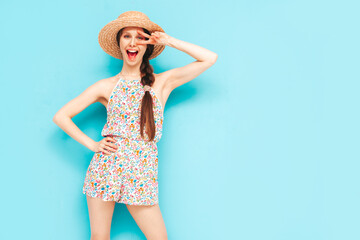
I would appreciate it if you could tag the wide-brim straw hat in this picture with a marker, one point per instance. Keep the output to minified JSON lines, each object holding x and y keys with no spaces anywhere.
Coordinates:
{"x":107,"y":35}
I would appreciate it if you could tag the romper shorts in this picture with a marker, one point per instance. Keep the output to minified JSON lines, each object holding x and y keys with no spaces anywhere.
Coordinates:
{"x":129,"y":175}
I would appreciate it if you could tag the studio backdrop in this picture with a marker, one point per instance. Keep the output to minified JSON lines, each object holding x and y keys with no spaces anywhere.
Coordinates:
{"x":262,"y":145}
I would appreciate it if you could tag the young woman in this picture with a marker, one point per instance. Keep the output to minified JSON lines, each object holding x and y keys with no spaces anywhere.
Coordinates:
{"x":124,"y":168}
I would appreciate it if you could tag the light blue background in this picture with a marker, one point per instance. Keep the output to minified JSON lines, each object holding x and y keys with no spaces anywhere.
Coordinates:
{"x":263,"y":145}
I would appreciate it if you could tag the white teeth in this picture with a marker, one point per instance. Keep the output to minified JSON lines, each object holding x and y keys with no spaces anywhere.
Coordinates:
{"x":132,"y":51}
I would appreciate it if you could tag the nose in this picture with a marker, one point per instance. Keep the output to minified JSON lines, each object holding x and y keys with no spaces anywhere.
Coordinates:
{"x":132,"y":43}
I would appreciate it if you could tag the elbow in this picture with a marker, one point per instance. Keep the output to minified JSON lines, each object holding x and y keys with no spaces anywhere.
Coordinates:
{"x":213,"y":59}
{"x":60,"y":117}
{"x":56,"y":118}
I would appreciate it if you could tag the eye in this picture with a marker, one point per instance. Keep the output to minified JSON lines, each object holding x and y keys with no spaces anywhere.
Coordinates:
{"x":126,"y":36}
{"x":141,"y":37}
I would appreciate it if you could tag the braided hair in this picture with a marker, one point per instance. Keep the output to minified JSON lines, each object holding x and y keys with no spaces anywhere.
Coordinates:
{"x":147,"y":120}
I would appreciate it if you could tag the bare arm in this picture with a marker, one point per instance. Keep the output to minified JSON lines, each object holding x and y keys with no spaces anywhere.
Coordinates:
{"x":63,"y":117}
{"x":178,"y":76}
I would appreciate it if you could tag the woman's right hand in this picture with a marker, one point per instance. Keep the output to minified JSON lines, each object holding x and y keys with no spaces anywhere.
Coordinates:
{"x":106,"y":146}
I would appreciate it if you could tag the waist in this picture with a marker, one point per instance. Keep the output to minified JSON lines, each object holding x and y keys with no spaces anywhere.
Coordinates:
{"x":126,"y":138}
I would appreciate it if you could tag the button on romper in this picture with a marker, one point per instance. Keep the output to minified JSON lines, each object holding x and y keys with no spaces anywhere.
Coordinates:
{"x":129,"y":175}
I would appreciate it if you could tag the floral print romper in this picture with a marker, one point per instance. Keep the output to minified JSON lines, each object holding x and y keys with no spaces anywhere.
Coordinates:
{"x":129,"y":175}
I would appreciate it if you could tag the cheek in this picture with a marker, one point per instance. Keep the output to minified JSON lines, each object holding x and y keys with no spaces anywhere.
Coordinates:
{"x":123,"y":43}
{"x":143,"y":50}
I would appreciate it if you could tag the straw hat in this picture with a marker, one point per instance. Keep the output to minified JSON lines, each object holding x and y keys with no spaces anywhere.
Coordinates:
{"x":107,"y":35}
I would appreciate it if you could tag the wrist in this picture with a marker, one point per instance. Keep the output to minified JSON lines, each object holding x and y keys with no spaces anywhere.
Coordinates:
{"x":172,"y":42}
{"x":91,"y":145}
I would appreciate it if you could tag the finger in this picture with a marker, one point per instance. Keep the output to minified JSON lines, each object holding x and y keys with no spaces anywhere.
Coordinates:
{"x":110,"y":140}
{"x":110,"y":149}
{"x":153,"y":40}
{"x":143,"y":42}
{"x":155,"y":35}
{"x":105,"y":152}
{"x":144,"y":34}
{"x":156,"y":40}
{"x":113,"y":146}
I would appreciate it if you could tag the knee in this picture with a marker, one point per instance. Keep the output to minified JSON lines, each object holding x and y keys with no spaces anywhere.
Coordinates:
{"x":100,"y":236}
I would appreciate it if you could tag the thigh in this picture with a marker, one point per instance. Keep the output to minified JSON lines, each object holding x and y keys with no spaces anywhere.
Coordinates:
{"x":100,"y":213}
{"x":149,"y":220}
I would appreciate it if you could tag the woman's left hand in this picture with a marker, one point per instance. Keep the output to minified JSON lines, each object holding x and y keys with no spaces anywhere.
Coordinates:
{"x":156,"y":38}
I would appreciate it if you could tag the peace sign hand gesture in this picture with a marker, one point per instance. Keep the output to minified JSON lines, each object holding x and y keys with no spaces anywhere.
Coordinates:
{"x":156,"y":38}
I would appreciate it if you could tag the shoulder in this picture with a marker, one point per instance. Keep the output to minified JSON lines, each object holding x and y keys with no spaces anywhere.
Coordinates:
{"x":108,"y":83}
{"x":102,"y":83}
{"x":103,"y":86}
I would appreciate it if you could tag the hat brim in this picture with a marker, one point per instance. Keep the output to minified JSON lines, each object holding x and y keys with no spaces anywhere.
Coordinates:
{"x":107,"y":35}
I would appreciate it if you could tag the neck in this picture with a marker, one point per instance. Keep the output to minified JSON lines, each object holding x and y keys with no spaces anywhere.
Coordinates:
{"x":130,"y":71}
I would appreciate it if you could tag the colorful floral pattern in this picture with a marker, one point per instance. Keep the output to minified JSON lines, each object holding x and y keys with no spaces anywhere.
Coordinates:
{"x":129,"y":175}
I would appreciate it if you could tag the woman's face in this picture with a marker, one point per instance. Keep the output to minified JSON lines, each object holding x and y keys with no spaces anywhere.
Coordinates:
{"x":131,"y":51}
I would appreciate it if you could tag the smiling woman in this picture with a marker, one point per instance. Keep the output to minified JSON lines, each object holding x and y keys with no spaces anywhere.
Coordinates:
{"x":127,"y":39}
{"x":124,"y":167}
{"x":132,"y":54}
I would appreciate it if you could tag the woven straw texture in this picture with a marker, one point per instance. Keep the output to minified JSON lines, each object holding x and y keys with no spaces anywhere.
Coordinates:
{"x":107,"y":35}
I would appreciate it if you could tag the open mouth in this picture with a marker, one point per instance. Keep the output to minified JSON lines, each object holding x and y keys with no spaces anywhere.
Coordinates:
{"x":131,"y":54}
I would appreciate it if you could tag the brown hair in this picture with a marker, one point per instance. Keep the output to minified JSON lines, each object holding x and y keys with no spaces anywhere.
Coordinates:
{"x":147,"y":120}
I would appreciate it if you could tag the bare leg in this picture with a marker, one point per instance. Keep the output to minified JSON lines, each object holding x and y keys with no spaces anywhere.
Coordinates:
{"x":149,"y":220}
{"x":100,"y":213}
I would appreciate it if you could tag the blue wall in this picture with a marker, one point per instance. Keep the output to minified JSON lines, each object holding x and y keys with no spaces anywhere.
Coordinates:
{"x":263,"y":145}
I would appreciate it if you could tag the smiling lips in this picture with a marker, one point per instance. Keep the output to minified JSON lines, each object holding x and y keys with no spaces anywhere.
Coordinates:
{"x":132,"y":54}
